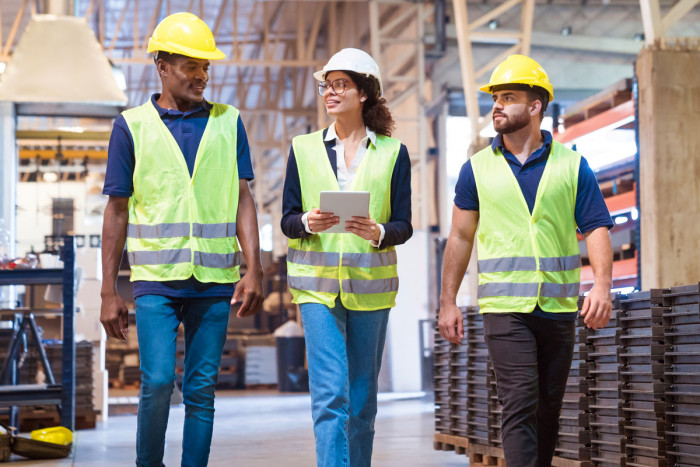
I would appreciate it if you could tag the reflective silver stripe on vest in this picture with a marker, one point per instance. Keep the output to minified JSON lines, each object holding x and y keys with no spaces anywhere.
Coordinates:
{"x":223,"y":230}
{"x":217,"y":260}
{"x":361,"y":286}
{"x":369,"y":260}
{"x":142,"y":258}
{"x":313,"y":284}
{"x":508,"y":289}
{"x":312,"y":258}
{"x":560,"y":290}
{"x":516,"y":263}
{"x":560,"y":263}
{"x":178,"y":229}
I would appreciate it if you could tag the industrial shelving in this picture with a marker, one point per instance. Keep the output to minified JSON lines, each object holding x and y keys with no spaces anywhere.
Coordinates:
{"x":62,"y":394}
{"x":611,"y":109}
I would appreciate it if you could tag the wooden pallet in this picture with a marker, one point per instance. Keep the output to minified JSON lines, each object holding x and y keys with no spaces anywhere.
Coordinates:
{"x":444,"y":442}
{"x":606,"y":99}
{"x":42,"y":417}
{"x":561,"y":462}
{"x":480,"y":455}
{"x":481,"y":460}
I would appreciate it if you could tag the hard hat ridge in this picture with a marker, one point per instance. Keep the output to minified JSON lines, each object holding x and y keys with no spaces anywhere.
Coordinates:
{"x":185,"y":34}
{"x":519,"y":70}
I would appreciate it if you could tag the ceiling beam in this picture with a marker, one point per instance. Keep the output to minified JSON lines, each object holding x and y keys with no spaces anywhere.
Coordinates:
{"x":555,"y":41}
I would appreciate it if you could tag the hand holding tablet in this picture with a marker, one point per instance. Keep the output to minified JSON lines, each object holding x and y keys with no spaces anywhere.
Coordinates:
{"x":344,"y":205}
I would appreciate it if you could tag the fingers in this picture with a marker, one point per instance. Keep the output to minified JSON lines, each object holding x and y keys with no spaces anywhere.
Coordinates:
{"x":245,"y":306}
{"x":237,"y":293}
{"x":320,"y":221}
{"x":124,"y":324}
{"x":114,"y":328}
{"x":602,"y":316}
{"x":598,"y":314}
{"x":320,"y":226}
{"x":451,"y":327}
{"x":362,"y":227}
{"x":251,"y":304}
{"x":111,"y":329}
{"x":586,"y":305}
{"x":114,"y":317}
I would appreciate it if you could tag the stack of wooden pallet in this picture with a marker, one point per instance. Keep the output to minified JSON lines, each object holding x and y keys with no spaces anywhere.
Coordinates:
{"x":642,"y":390}
{"x":681,"y":318}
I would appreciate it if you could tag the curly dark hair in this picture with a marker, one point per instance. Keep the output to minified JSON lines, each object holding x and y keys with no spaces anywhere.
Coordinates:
{"x":375,"y":112}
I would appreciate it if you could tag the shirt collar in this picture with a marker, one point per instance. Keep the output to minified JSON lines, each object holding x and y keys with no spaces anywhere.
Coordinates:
{"x":204,"y":105}
{"x":497,"y":143}
{"x":331,"y":135}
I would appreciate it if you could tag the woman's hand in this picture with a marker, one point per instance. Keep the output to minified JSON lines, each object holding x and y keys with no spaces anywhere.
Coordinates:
{"x":320,"y":221}
{"x":364,"y":227}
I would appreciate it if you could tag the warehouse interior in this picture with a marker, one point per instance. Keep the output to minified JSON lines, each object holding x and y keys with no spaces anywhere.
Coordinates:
{"x":627,"y":96}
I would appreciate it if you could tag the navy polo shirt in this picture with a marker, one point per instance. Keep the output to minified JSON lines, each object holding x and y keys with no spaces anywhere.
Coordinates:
{"x":590,"y":212}
{"x":396,"y":232}
{"x":187,"y":129}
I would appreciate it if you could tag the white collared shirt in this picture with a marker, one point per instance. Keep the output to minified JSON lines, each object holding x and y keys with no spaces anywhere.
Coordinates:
{"x":347,"y":174}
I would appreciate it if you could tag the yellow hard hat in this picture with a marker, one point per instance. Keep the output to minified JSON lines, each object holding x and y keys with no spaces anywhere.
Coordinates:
{"x":519,"y":69}
{"x":185,"y":34}
{"x":55,"y":435}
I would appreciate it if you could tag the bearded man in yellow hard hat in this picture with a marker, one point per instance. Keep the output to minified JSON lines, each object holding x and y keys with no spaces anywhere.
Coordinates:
{"x":528,"y":194}
{"x":177,"y":179}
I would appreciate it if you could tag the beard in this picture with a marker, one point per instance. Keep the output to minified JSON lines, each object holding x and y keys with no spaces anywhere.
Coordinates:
{"x":512,"y":123}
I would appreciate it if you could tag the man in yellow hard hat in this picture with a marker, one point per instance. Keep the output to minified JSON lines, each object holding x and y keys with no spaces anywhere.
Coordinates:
{"x":528,"y":194}
{"x":177,"y":173}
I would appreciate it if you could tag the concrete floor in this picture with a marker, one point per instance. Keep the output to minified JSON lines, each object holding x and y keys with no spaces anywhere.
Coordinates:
{"x":264,"y":429}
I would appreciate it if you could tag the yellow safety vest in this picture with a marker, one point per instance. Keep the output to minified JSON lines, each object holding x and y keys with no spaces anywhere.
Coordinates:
{"x":526,"y":259}
{"x":182,"y":226}
{"x":322,"y":266}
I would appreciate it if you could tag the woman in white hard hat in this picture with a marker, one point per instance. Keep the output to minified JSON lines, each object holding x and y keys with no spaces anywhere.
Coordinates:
{"x":346,"y":283}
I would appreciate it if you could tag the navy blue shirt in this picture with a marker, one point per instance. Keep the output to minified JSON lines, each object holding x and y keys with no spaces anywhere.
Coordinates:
{"x":397,"y":231}
{"x":187,"y":128}
{"x":590,"y":212}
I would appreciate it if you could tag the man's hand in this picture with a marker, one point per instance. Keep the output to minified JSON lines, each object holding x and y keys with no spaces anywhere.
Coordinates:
{"x":597,"y":307}
{"x":320,"y":221}
{"x":364,"y":227}
{"x":114,"y":316}
{"x":450,"y":323}
{"x":250,"y":288}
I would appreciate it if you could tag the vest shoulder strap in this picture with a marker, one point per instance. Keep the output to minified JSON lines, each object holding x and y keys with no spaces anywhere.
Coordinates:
{"x":139,"y":113}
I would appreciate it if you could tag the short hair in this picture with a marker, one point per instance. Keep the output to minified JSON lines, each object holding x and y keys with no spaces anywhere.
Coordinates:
{"x":166,"y":56}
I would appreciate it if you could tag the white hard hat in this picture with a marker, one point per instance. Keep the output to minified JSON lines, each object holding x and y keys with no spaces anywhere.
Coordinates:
{"x":355,"y":60}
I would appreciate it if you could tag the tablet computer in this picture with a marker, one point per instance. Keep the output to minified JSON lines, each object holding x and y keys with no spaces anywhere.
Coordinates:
{"x":344,"y":204}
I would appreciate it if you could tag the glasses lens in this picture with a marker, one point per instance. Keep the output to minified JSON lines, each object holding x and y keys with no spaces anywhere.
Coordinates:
{"x":322,"y":86}
{"x":339,"y":86}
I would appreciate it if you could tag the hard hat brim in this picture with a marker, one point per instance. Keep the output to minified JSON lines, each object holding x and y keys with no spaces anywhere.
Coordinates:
{"x":156,"y":46}
{"x":489,"y":88}
{"x":321,"y":75}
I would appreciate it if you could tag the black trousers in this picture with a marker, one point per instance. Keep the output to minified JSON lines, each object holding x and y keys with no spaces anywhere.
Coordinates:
{"x":532,"y":358}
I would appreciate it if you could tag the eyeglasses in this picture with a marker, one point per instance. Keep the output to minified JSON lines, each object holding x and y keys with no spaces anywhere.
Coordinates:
{"x":338,"y":86}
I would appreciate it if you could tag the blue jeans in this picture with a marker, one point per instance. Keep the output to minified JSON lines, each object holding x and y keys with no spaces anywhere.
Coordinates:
{"x":344,"y":354}
{"x":157,"y":319}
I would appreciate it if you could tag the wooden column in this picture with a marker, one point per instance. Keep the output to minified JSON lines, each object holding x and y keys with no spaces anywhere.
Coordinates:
{"x":669,"y":112}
